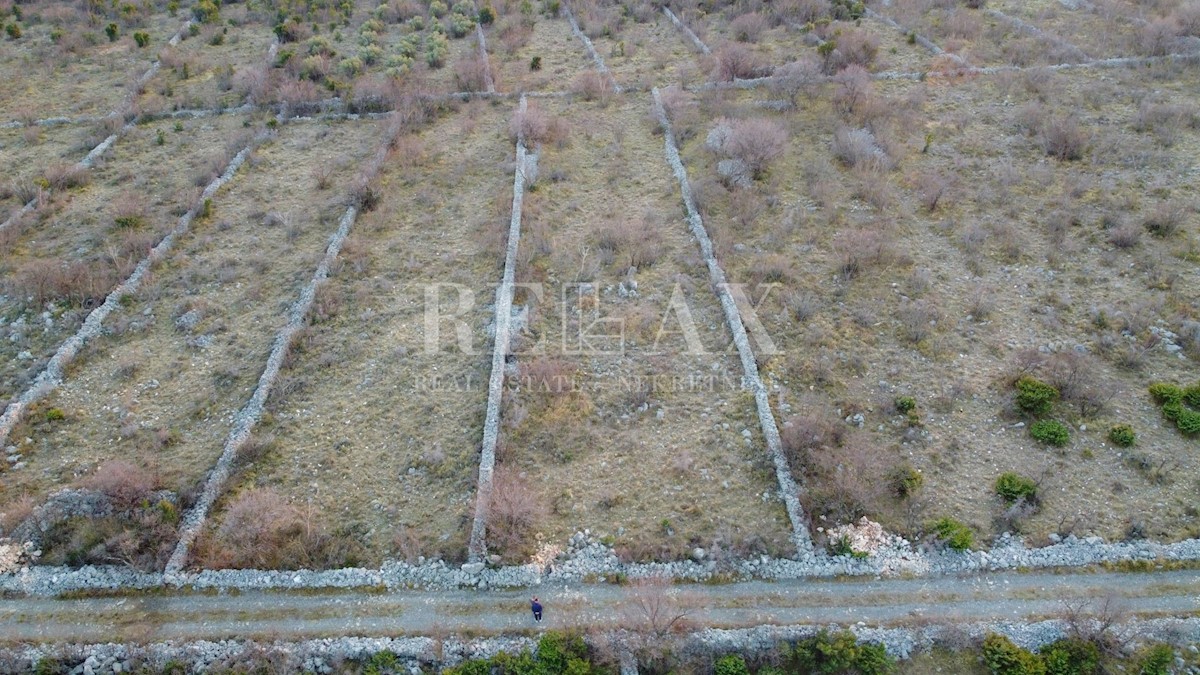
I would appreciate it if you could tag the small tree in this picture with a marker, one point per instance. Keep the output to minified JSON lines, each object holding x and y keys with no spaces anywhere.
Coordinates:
{"x":1002,"y":657}
{"x":1034,"y":396}
{"x":1011,"y":487}
{"x":798,"y":77}
{"x":756,"y":142}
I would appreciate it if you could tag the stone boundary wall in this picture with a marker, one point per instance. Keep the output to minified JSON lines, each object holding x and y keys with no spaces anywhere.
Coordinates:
{"x":53,"y":373}
{"x":1033,"y":30}
{"x":587,"y":42}
{"x":487,"y":63}
{"x":96,"y":152}
{"x":703,"y":48}
{"x":477,"y":544}
{"x":925,"y":42}
{"x":250,"y":414}
{"x":423,"y":654}
{"x":788,"y":489}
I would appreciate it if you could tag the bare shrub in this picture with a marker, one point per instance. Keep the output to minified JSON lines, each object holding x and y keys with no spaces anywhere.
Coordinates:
{"x":514,"y":513}
{"x":252,"y":84}
{"x":850,"y":47}
{"x":917,"y":320}
{"x":1125,"y":236}
{"x":736,"y":62}
{"x":1077,"y":378}
{"x":1188,"y":17}
{"x":260,"y":529}
{"x":1061,"y":137}
{"x":513,"y":33}
{"x":16,"y":512}
{"x":846,"y":482}
{"x":629,"y":243}
{"x":376,"y":95}
{"x":1166,"y":120}
{"x":80,"y":283}
{"x":748,"y":27}
{"x":123,"y":482}
{"x":471,"y":73}
{"x":802,"y":434}
{"x":546,"y":375}
{"x":855,"y":92}
{"x":652,"y":608}
{"x":323,"y":175}
{"x":982,"y":303}
{"x":756,"y":142}
{"x":538,"y":127}
{"x":1159,"y":37}
{"x":799,"y":11}
{"x":592,"y":85}
{"x":1165,"y":220}
{"x":797,"y":77}
{"x":297,"y":93}
{"x":932,"y":188}
{"x":860,"y":249}
{"x":858,"y":148}
{"x":67,"y":176}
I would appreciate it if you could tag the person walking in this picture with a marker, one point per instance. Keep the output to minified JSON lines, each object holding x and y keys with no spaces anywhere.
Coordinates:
{"x":537,"y":608}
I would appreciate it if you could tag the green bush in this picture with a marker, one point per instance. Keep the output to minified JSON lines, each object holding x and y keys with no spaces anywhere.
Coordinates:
{"x":371,"y":54}
{"x":1172,"y":410}
{"x":841,"y":546}
{"x":459,"y":25}
{"x":371,"y":27}
{"x":535,"y":63}
{"x":112,"y":31}
{"x":905,"y":404}
{"x":1071,"y":656}
{"x":557,"y":654}
{"x":1191,"y":395}
{"x":55,"y":415}
{"x":319,"y":45}
{"x":1002,"y":657}
{"x":351,"y":67}
{"x":409,"y":46}
{"x":487,"y":15}
{"x":1165,"y":392}
{"x":207,"y":11}
{"x":1050,"y":432}
{"x":142,"y":38}
{"x":1156,"y":660}
{"x":1011,"y":487}
{"x":438,"y":8}
{"x":730,"y":664}
{"x":436,"y":49}
{"x":13,"y":31}
{"x":956,"y":535}
{"x":1034,"y":396}
{"x":828,"y":654}
{"x":906,"y":481}
{"x":1188,"y":422}
{"x":1122,"y":435}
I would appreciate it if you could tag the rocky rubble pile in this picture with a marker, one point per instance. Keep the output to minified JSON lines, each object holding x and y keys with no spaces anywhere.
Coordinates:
{"x":321,"y":656}
{"x":418,"y":654}
{"x":588,"y":558}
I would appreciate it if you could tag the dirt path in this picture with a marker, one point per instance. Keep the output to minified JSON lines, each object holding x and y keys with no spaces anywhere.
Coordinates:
{"x":1009,"y":596}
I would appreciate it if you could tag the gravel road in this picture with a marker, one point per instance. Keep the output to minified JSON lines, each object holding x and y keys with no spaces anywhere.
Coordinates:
{"x":283,"y":615}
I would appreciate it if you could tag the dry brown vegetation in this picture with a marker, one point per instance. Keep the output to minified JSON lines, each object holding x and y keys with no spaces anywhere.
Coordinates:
{"x":926,"y":237}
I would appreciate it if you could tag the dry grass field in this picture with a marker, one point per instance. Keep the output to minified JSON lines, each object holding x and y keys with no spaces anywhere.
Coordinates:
{"x":594,"y":403}
{"x":914,"y":247}
{"x":368,"y":424}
